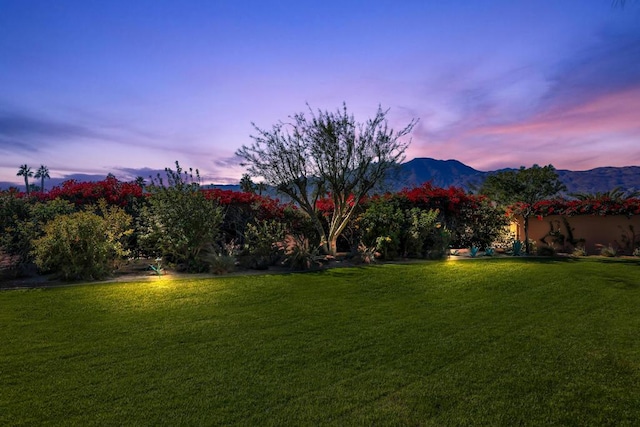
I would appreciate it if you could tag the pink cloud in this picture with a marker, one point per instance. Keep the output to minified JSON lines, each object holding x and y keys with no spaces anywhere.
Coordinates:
{"x":599,"y":131}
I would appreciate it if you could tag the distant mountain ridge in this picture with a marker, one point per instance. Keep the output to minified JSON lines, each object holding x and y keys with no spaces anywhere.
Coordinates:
{"x":445,"y":173}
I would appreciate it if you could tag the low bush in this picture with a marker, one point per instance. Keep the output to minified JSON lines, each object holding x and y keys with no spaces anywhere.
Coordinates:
{"x":221,"y":264}
{"x":608,"y":251}
{"x":546,"y":250}
{"x":83,"y":245}
{"x":579,"y":251}
{"x":263,"y":244}
{"x":301,"y":255}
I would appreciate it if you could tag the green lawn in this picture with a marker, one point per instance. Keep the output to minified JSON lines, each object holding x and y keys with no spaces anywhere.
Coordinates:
{"x":474,"y":342}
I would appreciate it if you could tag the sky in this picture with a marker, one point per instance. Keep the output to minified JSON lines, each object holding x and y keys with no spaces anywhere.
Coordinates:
{"x":129,"y":87}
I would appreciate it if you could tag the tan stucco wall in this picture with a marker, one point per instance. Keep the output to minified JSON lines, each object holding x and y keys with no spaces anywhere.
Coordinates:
{"x":597,"y":231}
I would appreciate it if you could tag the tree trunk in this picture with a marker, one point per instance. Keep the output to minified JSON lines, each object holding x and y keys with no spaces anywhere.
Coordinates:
{"x":333,"y":245}
{"x":324,"y":241}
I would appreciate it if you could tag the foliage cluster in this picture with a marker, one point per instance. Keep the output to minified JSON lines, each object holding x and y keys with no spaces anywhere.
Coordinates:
{"x":191,"y":228}
{"x":180,"y":223}
{"x":589,"y":206}
{"x":83,"y":245}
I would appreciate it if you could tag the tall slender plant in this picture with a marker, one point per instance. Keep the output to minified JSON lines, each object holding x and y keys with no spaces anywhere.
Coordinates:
{"x":26,"y":172}
{"x":42,"y":173}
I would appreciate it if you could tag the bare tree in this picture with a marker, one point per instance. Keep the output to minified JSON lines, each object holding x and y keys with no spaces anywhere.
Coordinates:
{"x":330,"y":154}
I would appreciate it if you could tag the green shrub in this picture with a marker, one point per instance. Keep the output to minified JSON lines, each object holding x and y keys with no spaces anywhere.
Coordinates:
{"x":395,"y":231}
{"x":480,"y":225}
{"x":263,"y":244}
{"x":579,"y":251}
{"x":441,"y":240}
{"x":381,"y":227}
{"x":22,"y":221}
{"x":180,"y":224}
{"x":608,"y":251}
{"x":546,"y":250}
{"x":221,"y":264}
{"x":83,"y":245}
{"x":420,"y":226}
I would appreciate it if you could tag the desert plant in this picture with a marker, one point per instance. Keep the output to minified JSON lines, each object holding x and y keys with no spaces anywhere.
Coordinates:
{"x":301,"y":255}
{"x":221,"y":263}
{"x":473,"y":251}
{"x":608,"y":251}
{"x":630,"y":239}
{"x":546,"y":250}
{"x":224,"y":260}
{"x":366,"y":254}
{"x":516,"y":248}
{"x":156,"y":267}
{"x":489,"y":251}
{"x":579,"y":251}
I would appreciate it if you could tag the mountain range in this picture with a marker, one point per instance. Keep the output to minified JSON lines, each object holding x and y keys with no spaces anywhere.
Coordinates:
{"x":445,"y":173}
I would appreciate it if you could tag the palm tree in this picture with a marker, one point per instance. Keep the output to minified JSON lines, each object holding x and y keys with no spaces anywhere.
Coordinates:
{"x":26,"y":172}
{"x":140,"y":182}
{"x":261,"y":186}
{"x":616,"y":195}
{"x":42,"y":173}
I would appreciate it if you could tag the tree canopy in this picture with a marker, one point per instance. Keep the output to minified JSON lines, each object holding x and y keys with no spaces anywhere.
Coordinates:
{"x":524,"y":186}
{"x":326,"y":153}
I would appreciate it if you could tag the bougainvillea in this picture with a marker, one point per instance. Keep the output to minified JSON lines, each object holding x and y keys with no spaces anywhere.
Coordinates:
{"x":596,"y":206}
{"x":449,"y":201}
{"x":263,"y":207}
{"x":112,"y":190}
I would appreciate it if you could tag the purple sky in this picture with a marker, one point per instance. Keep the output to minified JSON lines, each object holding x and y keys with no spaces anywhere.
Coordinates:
{"x":131,"y":86}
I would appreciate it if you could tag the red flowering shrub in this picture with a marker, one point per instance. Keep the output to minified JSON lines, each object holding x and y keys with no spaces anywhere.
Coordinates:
{"x":449,"y":201}
{"x":471,"y":219}
{"x":112,"y":190}
{"x":596,"y":206}
{"x":241,"y":208}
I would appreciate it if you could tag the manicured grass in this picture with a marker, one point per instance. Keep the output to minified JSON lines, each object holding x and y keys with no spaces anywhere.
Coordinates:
{"x":475,"y":342}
